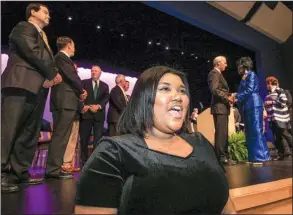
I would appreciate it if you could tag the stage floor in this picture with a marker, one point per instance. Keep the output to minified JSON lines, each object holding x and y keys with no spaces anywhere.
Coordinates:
{"x":57,"y":196}
{"x":242,"y":175}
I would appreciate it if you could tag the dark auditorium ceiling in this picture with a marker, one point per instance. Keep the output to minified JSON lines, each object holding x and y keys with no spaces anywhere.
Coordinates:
{"x":126,"y":28}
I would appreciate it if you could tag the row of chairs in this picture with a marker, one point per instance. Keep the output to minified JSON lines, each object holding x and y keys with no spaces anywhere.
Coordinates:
{"x":40,"y":157}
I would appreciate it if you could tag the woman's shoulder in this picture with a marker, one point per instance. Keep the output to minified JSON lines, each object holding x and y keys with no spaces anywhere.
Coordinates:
{"x":116,"y":147}
{"x":122,"y":140}
{"x":251,"y":74}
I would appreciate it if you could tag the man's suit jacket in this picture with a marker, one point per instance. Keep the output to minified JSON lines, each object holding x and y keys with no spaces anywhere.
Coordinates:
{"x":220,"y":93}
{"x":117,"y":104}
{"x":289,"y":102}
{"x":289,"y":98}
{"x":102,"y":99}
{"x":66,"y":94}
{"x":30,"y":60}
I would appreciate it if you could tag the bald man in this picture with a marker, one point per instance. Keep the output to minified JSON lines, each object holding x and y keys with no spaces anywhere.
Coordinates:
{"x":118,"y":101}
{"x":220,"y":108}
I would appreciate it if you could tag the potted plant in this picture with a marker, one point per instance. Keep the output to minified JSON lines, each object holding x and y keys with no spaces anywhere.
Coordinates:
{"x":237,"y":147}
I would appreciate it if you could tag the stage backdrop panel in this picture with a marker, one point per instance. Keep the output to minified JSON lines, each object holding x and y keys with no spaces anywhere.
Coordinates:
{"x":205,"y":124}
{"x":84,"y":73}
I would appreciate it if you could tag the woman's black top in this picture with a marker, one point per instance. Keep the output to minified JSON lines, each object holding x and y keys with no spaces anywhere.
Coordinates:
{"x":124,"y":173}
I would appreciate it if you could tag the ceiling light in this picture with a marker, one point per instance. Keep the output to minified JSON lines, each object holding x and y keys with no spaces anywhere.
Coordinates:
{"x":150,"y":42}
{"x":122,"y":35}
{"x":69,"y":18}
{"x":158,"y":44}
{"x":167,"y":47}
{"x":196,"y":57}
{"x":192,"y":54}
{"x":208,"y":61}
{"x":98,"y":27}
{"x":182,"y":53}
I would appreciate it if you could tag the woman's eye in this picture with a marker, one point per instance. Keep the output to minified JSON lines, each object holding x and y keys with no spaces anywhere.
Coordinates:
{"x":183,"y":91}
{"x":164,"y":89}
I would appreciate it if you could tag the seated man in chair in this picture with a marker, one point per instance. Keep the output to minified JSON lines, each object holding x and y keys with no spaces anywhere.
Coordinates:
{"x":44,"y":138}
{"x":46,"y":131}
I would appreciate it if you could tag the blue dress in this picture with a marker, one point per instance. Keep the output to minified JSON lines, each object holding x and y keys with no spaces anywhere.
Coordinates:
{"x":251,"y":105}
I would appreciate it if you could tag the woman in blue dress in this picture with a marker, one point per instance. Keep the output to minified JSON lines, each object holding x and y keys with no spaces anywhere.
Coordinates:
{"x":251,"y":105}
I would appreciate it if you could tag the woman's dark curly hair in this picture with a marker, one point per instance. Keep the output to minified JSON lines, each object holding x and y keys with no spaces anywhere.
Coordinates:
{"x":245,"y":62}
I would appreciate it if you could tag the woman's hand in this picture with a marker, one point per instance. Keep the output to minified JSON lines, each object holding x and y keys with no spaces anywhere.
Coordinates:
{"x":269,"y":102}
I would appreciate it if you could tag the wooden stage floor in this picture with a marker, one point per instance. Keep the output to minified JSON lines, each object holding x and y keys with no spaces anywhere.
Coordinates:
{"x":242,"y":175}
{"x":57,"y":196}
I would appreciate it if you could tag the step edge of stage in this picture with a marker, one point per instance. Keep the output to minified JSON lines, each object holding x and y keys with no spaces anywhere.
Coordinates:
{"x":252,"y":196}
{"x":283,"y":206}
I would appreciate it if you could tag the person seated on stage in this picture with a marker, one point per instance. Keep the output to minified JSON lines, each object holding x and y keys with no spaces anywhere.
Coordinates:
{"x":237,"y":119}
{"x":46,"y":131}
{"x":278,"y":117}
{"x":150,"y":169}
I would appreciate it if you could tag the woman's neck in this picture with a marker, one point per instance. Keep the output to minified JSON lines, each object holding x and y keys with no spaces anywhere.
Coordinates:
{"x":161,"y":136}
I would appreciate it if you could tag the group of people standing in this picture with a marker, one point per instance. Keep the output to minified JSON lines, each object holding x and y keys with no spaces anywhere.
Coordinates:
{"x":149,"y":164}
{"x":77,"y":106}
{"x":252,"y":107}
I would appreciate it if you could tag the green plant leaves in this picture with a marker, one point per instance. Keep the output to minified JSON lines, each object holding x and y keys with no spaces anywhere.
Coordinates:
{"x":237,"y":147}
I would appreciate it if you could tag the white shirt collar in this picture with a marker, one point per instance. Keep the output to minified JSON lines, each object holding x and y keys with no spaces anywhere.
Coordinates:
{"x":37,"y":27}
{"x":217,"y":69}
{"x":93,"y":81}
{"x":65,"y":53}
{"x":123,"y":91}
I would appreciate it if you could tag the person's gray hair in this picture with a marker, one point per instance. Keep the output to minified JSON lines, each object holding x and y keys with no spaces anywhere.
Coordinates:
{"x":218,"y":59}
{"x":119,"y":78}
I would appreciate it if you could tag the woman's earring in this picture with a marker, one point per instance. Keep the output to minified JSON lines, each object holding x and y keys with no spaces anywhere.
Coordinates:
{"x":146,"y":136}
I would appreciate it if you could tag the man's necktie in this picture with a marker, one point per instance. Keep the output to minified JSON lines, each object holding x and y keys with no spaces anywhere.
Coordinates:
{"x":45,"y":38}
{"x":96,"y":89}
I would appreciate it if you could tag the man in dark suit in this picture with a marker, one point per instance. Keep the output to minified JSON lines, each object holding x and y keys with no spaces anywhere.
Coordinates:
{"x":289,"y":103}
{"x":290,"y":126}
{"x":220,"y":107}
{"x":64,"y":104}
{"x":29,"y":73}
{"x":93,"y":116}
{"x":118,"y":101}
